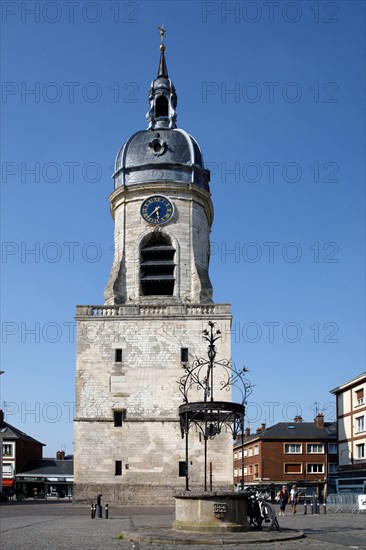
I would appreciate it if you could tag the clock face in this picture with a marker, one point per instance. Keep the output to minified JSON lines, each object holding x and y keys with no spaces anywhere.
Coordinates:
{"x":157,"y":210}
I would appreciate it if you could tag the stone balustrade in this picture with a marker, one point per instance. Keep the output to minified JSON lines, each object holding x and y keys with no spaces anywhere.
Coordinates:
{"x":153,"y":310}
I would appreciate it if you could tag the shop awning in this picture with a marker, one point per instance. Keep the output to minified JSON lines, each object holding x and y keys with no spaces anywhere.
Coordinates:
{"x":8,"y":482}
{"x":29,"y":479}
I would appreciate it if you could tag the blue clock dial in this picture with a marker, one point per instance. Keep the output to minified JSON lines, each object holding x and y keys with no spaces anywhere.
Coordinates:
{"x":157,"y":210}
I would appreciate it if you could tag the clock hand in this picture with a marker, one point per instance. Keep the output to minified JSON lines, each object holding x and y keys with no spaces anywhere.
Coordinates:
{"x":156,"y":210}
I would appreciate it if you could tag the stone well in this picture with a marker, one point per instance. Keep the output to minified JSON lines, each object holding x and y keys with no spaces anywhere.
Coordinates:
{"x":216,"y":512}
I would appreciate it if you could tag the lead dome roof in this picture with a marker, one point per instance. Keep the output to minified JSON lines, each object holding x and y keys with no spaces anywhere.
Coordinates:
{"x":163,"y":152}
{"x":160,"y":155}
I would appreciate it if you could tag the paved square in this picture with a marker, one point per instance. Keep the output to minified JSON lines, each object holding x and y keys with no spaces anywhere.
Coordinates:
{"x":62,"y":525}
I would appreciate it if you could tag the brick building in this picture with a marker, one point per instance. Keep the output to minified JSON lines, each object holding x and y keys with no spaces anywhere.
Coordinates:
{"x":298,"y":452}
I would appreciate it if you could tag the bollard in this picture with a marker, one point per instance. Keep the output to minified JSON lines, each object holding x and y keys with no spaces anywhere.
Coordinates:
{"x":312,"y":508}
{"x":318,"y":507}
{"x":92,"y":511}
{"x":106,"y":511}
{"x":98,"y":508}
{"x":305,"y":508}
{"x":324,"y":508}
{"x":315,"y":504}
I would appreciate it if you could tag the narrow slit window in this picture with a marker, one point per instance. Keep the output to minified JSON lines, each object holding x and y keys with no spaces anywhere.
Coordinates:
{"x":119,"y":417}
{"x":184,"y":355}
{"x":118,"y":468}
{"x":118,"y":355}
{"x":182,"y":468}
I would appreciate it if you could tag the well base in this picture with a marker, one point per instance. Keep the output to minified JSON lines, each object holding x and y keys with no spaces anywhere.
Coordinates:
{"x":212,"y":512}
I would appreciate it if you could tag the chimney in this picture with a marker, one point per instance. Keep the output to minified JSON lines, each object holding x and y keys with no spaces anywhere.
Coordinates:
{"x":60,"y":455}
{"x":1,"y":418}
{"x":246,"y":433}
{"x":319,"y":420}
{"x":261,"y":428}
{"x":298,"y":419}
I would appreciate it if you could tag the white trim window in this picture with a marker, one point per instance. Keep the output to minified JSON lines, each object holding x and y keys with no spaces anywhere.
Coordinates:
{"x":293,"y":448}
{"x":360,"y":397}
{"x":360,"y":424}
{"x":292,"y":468}
{"x":8,"y":470}
{"x":8,"y":450}
{"x":315,"y":468}
{"x":360,"y":451}
{"x":315,"y":448}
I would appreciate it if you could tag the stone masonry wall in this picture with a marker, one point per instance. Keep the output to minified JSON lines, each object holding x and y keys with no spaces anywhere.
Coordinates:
{"x":189,"y":231}
{"x":145,"y":385}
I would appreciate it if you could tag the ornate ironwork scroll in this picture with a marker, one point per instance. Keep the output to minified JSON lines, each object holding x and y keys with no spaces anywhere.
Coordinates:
{"x":209,"y":378}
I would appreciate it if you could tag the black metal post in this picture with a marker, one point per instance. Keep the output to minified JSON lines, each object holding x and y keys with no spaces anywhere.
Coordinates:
{"x":92,"y":511}
{"x":187,"y":478}
{"x":106,"y":511}
{"x":205,"y":488}
{"x":211,"y":477}
{"x":242,"y":458}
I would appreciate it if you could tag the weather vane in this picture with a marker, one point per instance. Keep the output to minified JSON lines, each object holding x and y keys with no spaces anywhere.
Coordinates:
{"x":162,"y":32}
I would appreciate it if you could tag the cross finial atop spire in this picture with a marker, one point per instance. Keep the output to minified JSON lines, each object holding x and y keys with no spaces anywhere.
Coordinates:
{"x":162,"y":32}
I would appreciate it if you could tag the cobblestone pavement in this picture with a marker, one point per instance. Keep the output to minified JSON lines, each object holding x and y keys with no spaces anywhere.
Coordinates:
{"x":60,"y":526}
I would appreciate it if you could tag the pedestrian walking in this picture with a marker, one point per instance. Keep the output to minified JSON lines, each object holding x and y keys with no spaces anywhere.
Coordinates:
{"x":282,"y":498}
{"x":294,"y":498}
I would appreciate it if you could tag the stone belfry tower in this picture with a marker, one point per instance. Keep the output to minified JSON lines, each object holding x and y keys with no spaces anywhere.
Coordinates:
{"x":158,"y":299}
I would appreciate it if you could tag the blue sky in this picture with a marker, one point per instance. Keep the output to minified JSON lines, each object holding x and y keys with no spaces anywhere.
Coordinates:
{"x":273,"y":92}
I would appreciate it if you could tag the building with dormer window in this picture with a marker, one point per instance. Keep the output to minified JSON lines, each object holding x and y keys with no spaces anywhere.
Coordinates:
{"x":17,"y":448}
{"x":298,"y":452}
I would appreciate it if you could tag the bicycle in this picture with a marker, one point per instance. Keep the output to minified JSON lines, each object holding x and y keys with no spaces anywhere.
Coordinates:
{"x":261,"y":514}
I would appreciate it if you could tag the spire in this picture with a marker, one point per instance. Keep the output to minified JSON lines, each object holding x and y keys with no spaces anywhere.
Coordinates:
{"x":162,"y":71}
{"x":162,"y":96}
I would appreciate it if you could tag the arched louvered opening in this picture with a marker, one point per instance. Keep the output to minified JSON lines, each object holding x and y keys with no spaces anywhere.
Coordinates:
{"x":161,"y":106}
{"x":157,"y":267}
